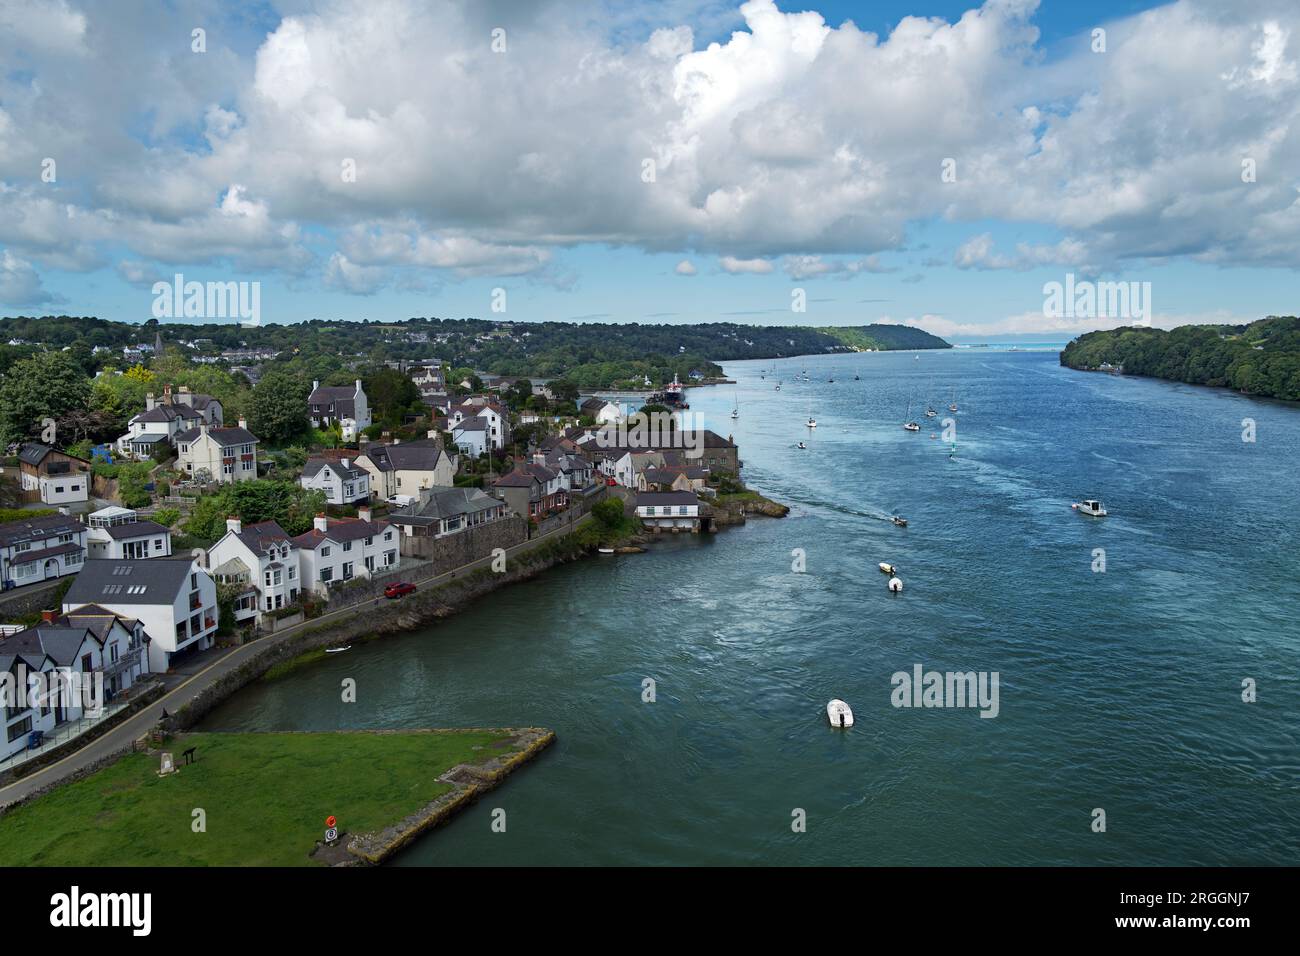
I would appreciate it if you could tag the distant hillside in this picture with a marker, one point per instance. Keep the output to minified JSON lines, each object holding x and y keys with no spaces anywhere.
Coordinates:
{"x":1262,"y":358}
{"x":884,"y":338}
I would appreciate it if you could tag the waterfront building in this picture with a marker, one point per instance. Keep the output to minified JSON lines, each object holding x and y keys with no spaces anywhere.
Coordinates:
{"x":405,"y":468}
{"x":336,"y":550}
{"x":445,"y":511}
{"x":259,"y":557}
{"x":669,"y":510}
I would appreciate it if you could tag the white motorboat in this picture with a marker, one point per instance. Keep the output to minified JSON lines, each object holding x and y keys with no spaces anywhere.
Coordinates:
{"x":801,"y":445}
{"x":337,"y":650}
{"x":899,"y":520}
{"x":1090,"y":506}
{"x":886,"y":568}
{"x":604,"y":550}
{"x":839,"y":714}
{"x":911,"y":427}
{"x":812,"y":423}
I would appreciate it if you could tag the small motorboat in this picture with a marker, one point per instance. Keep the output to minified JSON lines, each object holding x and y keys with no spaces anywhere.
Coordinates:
{"x":337,"y":650}
{"x":930,"y":413}
{"x":801,"y":445}
{"x":886,"y":568}
{"x":895,"y":585}
{"x":1090,"y":506}
{"x":855,"y":378}
{"x":778,"y":386}
{"x":911,"y":427}
{"x":812,"y":423}
{"x":899,"y":520}
{"x":604,"y":550}
{"x":839,"y":714}
{"x":952,"y":407}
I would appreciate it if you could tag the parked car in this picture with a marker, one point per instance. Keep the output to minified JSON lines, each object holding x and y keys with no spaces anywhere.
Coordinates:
{"x":399,"y":589}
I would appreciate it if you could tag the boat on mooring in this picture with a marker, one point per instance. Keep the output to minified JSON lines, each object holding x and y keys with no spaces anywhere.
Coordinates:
{"x":839,"y":714}
{"x":887,"y":568}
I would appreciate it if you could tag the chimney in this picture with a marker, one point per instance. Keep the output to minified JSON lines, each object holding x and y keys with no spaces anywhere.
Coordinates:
{"x":184,"y":390}
{"x":319,"y":523}
{"x":48,"y":617}
{"x":363,"y":440}
{"x":433,"y":433}
{"x":346,"y":462}
{"x":364,"y":512}
{"x":243,"y":422}
{"x":315,"y":385}
{"x":148,"y":402}
{"x":203,"y":427}
{"x":234,"y":524}
{"x":167,"y":394}
{"x":358,"y":385}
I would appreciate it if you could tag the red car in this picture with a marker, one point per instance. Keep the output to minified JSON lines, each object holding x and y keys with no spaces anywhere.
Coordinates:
{"x":611,"y":482}
{"x":399,"y":589}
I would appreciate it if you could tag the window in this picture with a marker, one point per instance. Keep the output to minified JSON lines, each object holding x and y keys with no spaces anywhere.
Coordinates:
{"x":347,"y":545}
{"x":87,"y":664}
{"x":325,"y":551}
{"x":22,"y":727}
{"x":326,"y":574}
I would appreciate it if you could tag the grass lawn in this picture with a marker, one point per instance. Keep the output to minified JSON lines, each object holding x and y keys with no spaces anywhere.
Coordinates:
{"x":266,"y":797}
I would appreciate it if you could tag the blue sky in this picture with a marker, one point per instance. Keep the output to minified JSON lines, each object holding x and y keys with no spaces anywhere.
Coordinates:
{"x":792,"y":152}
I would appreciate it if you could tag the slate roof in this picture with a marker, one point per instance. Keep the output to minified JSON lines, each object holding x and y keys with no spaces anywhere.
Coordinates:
{"x":652,"y":498}
{"x":421,"y":455}
{"x":168,"y":413}
{"x":136,"y":581}
{"x":341,"y":400}
{"x":135,"y":529}
{"x":340,"y":530}
{"x":225,"y":437}
{"x":443,"y":503}
{"x":315,"y":465}
{"x":263,"y":536}
{"x":38,"y":529}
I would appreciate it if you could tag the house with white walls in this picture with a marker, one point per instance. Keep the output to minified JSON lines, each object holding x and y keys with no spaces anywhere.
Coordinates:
{"x":336,"y":550}
{"x":406,"y":468}
{"x":163,"y":418}
{"x":223,"y":455}
{"x":264,"y":557}
{"x":53,"y":476}
{"x":496,"y":422}
{"x":343,"y":481}
{"x":65,"y":668}
{"x":342,"y":405}
{"x":115,"y":532}
{"x":40,"y":549}
{"x":668,"y":510}
{"x":173,"y":598}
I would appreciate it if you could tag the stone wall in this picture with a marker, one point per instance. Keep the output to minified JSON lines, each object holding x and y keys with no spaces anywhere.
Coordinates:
{"x":19,"y":602}
{"x":459,"y":549}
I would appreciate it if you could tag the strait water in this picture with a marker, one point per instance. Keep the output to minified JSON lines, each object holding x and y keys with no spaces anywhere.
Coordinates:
{"x":1118,"y":690}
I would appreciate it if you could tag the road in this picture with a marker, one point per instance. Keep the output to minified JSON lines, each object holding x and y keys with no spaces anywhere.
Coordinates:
{"x":189,"y":686}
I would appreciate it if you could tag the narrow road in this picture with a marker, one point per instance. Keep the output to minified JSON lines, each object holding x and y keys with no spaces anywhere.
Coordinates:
{"x":137,"y":725}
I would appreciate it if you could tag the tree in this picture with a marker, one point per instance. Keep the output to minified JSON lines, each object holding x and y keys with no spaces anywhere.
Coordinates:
{"x":391,"y":395}
{"x":277,"y":409}
{"x":47,"y":385}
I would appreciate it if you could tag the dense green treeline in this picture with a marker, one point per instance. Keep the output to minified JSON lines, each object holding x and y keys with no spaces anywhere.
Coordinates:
{"x":1262,"y":358}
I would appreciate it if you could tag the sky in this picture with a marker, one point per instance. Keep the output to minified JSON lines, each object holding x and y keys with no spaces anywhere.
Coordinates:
{"x":922,"y":162}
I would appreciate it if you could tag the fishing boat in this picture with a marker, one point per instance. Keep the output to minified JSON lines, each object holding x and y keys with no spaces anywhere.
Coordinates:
{"x":886,"y":568}
{"x":1090,"y":506}
{"x":839,"y":714}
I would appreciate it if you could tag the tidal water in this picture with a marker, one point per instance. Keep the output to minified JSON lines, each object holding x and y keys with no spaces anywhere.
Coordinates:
{"x":1119,"y":690}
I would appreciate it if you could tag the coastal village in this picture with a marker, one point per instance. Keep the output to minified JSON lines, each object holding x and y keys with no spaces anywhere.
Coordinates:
{"x":125,"y":586}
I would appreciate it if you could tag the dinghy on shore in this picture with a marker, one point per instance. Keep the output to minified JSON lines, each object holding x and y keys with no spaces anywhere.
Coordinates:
{"x":839,"y":714}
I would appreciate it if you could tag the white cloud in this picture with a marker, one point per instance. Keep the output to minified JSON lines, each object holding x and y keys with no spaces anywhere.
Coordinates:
{"x":742,"y":266}
{"x":792,"y":141}
{"x":19,"y":283}
{"x":686,"y":268}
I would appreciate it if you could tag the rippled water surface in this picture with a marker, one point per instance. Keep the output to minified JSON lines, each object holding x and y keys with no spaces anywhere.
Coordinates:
{"x":1119,"y":690}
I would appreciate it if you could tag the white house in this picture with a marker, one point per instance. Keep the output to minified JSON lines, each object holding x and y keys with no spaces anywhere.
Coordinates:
{"x":668,"y":510}
{"x":496,"y":423}
{"x":343,"y":481}
{"x":162,"y":419}
{"x":263,"y":557}
{"x":604,"y":412}
{"x":223,"y":455}
{"x":173,"y":598}
{"x":119,"y":533}
{"x":39,"y":549}
{"x":405,"y":468}
{"x":54,"y":476}
{"x":65,"y":668}
{"x":472,"y":435}
{"x":616,"y":463}
{"x":341,"y":405}
{"x":336,"y":550}
{"x":444,"y":511}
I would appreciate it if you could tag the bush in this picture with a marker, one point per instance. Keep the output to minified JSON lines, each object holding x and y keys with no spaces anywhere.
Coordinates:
{"x":609,"y":512}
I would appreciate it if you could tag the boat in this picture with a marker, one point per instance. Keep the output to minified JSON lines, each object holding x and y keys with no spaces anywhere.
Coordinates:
{"x":801,"y":445}
{"x":856,"y":378}
{"x":839,"y":714}
{"x":778,"y":386}
{"x":952,"y":405}
{"x":605,"y":550}
{"x":886,"y":568}
{"x":895,"y":585}
{"x":930,"y":412}
{"x":1090,"y":506}
{"x":337,"y":650}
{"x":899,"y":520}
{"x":735,"y":412}
{"x":812,"y":422}
{"x":910,"y":425}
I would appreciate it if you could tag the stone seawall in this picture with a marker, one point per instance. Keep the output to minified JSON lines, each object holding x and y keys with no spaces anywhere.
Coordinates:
{"x":458,"y":550}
